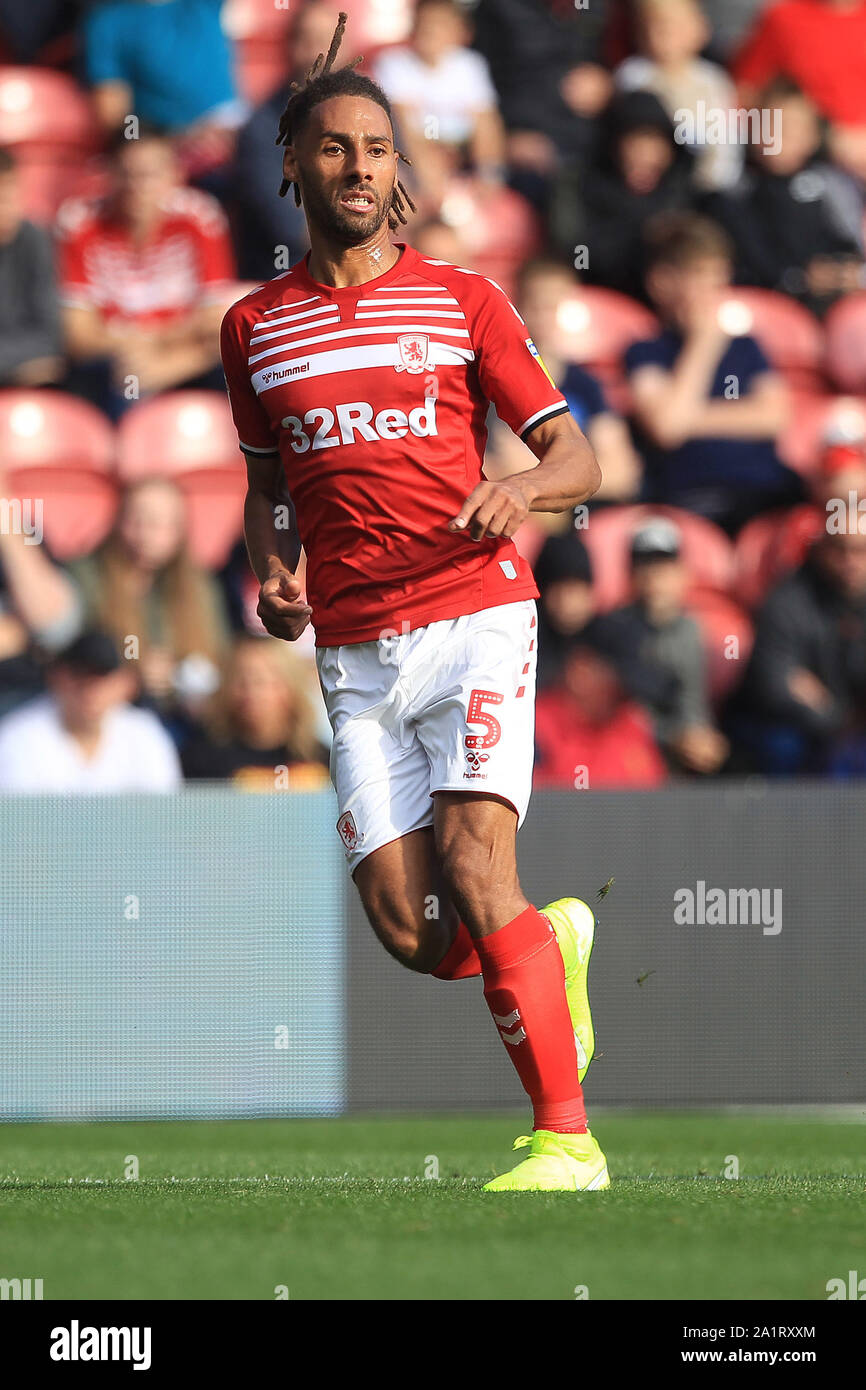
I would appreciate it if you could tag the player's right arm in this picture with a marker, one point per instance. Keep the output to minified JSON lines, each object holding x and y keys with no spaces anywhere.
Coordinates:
{"x":270,"y":529}
{"x":273,"y":548}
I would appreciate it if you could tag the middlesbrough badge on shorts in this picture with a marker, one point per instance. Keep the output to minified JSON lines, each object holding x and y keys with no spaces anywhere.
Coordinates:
{"x":347,"y":830}
{"x":414,"y":349}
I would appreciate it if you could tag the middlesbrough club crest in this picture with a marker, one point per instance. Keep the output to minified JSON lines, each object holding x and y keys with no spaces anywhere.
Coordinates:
{"x":413,"y":349}
{"x":348,"y":830}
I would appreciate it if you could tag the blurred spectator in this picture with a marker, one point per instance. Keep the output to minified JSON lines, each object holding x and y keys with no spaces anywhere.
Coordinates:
{"x":543,"y":287}
{"x":84,"y":736}
{"x":440,"y":241}
{"x":672,"y":34}
{"x":261,"y":726}
{"x":442,"y":96}
{"x":641,"y":171}
{"x":806,"y":684}
{"x":820,"y":45}
{"x":588,"y":732}
{"x":266,"y":222}
{"x":142,"y":587}
{"x":563,"y":573}
{"x":39,"y":607}
{"x":30,"y":342}
{"x":707,"y":401}
{"x":547,"y":64}
{"x":170,"y":63}
{"x":729,"y":22}
{"x":146,"y":275}
{"x":657,"y":628}
{"x":788,"y":214}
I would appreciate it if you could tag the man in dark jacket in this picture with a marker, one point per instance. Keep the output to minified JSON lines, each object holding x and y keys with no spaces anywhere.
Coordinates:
{"x":806,"y":683}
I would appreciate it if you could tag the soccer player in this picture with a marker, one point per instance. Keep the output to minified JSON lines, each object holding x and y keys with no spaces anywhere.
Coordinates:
{"x":359,"y":382}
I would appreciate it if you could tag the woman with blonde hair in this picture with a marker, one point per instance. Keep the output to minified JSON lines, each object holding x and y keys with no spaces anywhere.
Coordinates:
{"x":164,"y":611}
{"x":260,"y":729}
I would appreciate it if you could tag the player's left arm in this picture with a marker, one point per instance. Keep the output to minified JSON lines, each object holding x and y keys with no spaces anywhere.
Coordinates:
{"x":567,"y":473}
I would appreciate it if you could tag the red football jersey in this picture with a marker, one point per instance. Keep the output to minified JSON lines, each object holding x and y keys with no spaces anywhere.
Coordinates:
{"x":375,"y":397}
{"x":186,"y":261}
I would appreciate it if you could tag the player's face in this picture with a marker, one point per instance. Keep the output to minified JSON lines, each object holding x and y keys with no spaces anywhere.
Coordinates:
{"x":346,"y":164}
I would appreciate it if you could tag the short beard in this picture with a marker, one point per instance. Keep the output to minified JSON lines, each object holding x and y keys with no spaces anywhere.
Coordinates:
{"x":341,"y":226}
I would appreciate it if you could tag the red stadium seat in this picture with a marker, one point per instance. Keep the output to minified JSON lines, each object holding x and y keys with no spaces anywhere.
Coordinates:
{"x":596,"y":327}
{"x":770,"y":546}
{"x":728,"y":636}
{"x":49,"y":124}
{"x":177,"y":432}
{"x":706,"y":550}
{"x":812,"y":416}
{"x":46,"y":185}
{"x":846,"y":343}
{"x":45,"y":429}
{"x":791,"y":337}
{"x":78,"y":506}
{"x":215,"y":511}
{"x":45,"y":110}
{"x":500,"y":229}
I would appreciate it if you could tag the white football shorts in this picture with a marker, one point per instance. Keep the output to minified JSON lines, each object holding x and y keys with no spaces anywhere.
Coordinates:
{"x":446,"y":707}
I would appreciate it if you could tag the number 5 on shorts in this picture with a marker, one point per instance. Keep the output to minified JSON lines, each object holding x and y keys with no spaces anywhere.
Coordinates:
{"x":476,"y":714}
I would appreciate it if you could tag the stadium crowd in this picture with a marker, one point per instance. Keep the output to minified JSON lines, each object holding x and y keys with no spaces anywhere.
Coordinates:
{"x":673,"y":193}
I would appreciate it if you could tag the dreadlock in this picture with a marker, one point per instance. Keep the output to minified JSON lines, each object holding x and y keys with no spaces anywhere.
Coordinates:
{"x":321,"y":83}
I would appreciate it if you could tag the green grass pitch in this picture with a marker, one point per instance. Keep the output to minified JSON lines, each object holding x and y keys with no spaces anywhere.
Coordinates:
{"x":323,"y":1207}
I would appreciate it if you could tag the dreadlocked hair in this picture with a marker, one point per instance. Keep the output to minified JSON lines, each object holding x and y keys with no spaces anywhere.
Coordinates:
{"x":323,"y":82}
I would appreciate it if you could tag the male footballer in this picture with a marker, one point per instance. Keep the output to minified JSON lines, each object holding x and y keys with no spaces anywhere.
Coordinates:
{"x":359,"y":382}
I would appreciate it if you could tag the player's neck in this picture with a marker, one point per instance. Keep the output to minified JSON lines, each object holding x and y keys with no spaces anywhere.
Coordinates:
{"x":343,"y":266}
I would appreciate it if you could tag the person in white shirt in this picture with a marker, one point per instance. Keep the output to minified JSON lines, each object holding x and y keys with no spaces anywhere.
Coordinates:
{"x":443,"y":99}
{"x":84,"y":736}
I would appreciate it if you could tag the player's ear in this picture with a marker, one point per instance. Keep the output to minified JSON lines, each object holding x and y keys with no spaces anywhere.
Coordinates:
{"x":290,"y":165}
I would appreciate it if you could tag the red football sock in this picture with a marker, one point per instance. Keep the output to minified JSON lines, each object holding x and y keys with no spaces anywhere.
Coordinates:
{"x":460,"y":961}
{"x":524,"y":985}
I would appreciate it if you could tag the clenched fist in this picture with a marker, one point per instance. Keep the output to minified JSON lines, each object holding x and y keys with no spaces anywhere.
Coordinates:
{"x":281,"y":608}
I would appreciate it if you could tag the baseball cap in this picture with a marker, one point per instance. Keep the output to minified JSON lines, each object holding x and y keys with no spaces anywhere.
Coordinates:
{"x":657,"y":539}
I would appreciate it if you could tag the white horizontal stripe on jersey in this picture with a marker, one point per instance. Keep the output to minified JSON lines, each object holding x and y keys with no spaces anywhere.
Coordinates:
{"x":307,"y":327}
{"x":375,"y":329}
{"x":298,"y":318}
{"x":351,"y":359}
{"x":398,"y":313}
{"x":296,"y":304}
{"x":558,"y":408}
{"x":408,"y":299}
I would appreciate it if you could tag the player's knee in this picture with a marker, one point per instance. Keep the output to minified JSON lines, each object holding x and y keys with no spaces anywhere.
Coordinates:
{"x":400,"y":934}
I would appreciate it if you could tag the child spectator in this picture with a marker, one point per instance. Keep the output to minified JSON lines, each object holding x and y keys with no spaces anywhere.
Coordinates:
{"x":657,"y":628}
{"x":30,"y":341}
{"x":261,"y":726}
{"x":441,"y":94}
{"x":589,"y":734}
{"x":793,"y":217}
{"x":85,"y":736}
{"x":641,"y":171}
{"x":146,"y":275}
{"x":142,"y":587}
{"x":544,"y":289}
{"x":706,"y":400}
{"x":672,"y":34}
{"x":563,"y":573}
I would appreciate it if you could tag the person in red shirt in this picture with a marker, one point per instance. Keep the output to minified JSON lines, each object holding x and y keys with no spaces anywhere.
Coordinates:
{"x":820,"y":45}
{"x":360,"y":381}
{"x":145,"y":273}
{"x":588,"y":734}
